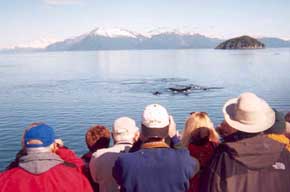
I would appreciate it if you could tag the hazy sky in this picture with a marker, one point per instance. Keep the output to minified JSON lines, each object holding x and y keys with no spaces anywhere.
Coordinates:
{"x":23,"y":21}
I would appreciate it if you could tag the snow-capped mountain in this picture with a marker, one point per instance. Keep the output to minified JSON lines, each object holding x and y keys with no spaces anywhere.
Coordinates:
{"x":164,"y":30}
{"x":116,"y":38}
{"x":120,"y":39}
{"x":99,"y":39}
{"x":114,"y":33}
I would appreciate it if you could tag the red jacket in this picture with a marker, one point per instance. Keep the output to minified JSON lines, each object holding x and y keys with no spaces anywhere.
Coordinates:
{"x":69,"y":156}
{"x":203,"y":153}
{"x":59,"y":178}
{"x":46,"y":172}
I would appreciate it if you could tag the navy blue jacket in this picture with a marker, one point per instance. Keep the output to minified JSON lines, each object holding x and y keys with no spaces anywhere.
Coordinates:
{"x":155,"y":169}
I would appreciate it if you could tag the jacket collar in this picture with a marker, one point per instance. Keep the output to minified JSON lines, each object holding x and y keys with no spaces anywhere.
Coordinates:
{"x":124,"y":143}
{"x":37,"y":163}
{"x":156,"y":144}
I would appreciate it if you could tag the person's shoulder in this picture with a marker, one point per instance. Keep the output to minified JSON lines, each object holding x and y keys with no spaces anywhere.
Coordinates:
{"x":114,"y":149}
{"x":184,"y":156}
{"x":129,"y":158}
{"x":67,"y":176}
{"x":100,"y":152}
{"x":15,"y":175}
{"x":65,"y":171}
{"x":13,"y":171}
{"x":222,"y":154}
{"x":223,"y":147}
{"x":10,"y":177}
{"x":180,"y":151}
{"x":130,"y":155}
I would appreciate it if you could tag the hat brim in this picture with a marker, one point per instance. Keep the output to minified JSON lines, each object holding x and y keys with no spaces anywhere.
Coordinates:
{"x":265,"y":121}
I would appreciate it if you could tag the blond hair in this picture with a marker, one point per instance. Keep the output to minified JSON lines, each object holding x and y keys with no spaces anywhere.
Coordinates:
{"x":195,"y":121}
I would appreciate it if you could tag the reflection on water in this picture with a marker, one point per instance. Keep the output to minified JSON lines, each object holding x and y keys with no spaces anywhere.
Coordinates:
{"x":73,"y":90}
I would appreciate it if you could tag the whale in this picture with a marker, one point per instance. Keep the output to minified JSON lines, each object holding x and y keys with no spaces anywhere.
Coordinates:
{"x":156,"y":93}
{"x":185,"y":89}
{"x":180,"y":89}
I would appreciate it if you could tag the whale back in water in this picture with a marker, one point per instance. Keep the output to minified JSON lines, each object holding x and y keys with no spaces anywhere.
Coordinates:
{"x":162,"y":86}
{"x":180,"y":89}
{"x":186,"y":89}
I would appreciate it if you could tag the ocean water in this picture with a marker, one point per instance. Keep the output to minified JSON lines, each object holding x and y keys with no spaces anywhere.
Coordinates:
{"x":71,"y":91}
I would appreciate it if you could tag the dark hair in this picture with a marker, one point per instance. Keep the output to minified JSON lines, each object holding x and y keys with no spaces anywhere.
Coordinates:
{"x":230,"y":134}
{"x":279,"y":127}
{"x":98,"y":137}
{"x":161,"y":132}
{"x":200,"y":136}
{"x":224,"y":129}
{"x":287,"y":117}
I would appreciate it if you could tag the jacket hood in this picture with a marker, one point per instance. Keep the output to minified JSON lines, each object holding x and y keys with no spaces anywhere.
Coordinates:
{"x":255,"y":152}
{"x":37,"y":163}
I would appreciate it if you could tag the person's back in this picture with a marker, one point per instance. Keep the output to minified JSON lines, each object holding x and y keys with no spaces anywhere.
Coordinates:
{"x":156,"y":166}
{"x":248,"y":160}
{"x":203,"y":153}
{"x":58,"y":177}
{"x":252,"y":164}
{"x":104,"y":164}
{"x":41,"y":169}
{"x":201,"y":139}
{"x":103,"y":160}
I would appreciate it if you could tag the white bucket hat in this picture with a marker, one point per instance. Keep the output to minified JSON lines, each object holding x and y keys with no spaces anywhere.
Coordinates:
{"x":249,"y":113}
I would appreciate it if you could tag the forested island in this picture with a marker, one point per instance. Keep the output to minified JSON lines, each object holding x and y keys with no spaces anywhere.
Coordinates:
{"x":243,"y":42}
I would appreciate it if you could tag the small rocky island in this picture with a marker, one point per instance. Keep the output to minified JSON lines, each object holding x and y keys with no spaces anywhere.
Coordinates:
{"x":243,"y":42}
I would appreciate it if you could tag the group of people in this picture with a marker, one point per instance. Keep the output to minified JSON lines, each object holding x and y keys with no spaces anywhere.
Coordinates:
{"x":248,"y":151}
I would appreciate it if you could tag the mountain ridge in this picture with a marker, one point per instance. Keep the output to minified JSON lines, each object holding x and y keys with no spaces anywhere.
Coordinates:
{"x":121,"y":39}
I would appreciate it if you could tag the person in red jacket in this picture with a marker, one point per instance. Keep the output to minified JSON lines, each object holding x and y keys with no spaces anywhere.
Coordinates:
{"x":44,"y":166}
{"x":201,"y":139}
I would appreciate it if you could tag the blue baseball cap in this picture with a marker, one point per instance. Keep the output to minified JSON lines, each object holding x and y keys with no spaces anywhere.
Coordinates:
{"x":41,"y":132}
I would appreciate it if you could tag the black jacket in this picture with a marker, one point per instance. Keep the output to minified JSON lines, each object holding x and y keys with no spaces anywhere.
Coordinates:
{"x":250,"y":164}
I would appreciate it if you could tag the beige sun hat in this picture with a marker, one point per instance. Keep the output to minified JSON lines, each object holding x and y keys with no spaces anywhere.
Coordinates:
{"x":249,"y":113}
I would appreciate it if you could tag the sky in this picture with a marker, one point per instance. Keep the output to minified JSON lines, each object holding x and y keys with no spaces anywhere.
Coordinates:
{"x":26,"y":22}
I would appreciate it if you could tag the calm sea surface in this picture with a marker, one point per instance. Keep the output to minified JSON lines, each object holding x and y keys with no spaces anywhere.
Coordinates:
{"x":73,"y":90}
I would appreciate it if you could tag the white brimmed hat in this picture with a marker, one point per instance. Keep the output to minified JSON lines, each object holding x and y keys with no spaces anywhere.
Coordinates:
{"x":249,"y":113}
